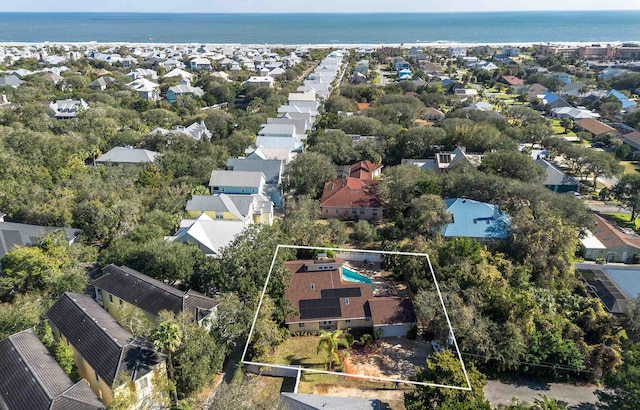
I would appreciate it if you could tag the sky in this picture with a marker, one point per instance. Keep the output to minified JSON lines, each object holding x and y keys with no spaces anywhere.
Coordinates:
{"x":307,"y":6}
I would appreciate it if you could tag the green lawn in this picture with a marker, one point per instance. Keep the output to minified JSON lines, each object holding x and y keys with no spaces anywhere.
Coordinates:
{"x":299,"y":350}
{"x":559,"y":130}
{"x":623,"y":220}
{"x":630,"y":167}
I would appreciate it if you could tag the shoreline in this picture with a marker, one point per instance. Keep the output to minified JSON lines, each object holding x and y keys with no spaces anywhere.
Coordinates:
{"x":426,"y":44}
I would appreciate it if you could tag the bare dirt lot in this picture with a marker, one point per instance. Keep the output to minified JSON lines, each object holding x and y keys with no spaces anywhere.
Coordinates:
{"x":394,"y":358}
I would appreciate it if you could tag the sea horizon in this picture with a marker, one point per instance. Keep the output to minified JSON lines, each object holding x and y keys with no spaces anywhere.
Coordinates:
{"x":504,"y":27}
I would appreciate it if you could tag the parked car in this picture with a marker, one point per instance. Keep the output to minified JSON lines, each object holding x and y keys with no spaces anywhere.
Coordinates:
{"x":598,"y":144}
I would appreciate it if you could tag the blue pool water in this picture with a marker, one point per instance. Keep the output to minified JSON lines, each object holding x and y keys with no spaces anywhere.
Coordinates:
{"x":352,"y":276}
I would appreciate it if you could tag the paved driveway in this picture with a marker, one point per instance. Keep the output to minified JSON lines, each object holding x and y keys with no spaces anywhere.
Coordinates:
{"x":575,"y":397}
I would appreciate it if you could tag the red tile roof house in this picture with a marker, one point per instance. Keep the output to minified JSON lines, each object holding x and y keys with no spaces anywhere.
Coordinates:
{"x":355,"y":196}
{"x":325,"y":300}
{"x":511,"y":80}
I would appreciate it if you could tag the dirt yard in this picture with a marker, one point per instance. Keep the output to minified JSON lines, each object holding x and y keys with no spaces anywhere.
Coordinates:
{"x":394,"y":358}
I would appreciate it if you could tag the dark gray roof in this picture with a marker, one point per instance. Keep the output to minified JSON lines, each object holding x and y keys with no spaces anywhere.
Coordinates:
{"x":30,"y":378}
{"x":297,"y":401}
{"x":98,"y":338}
{"x":150,"y":294}
{"x":555,"y":177}
{"x":271,"y":168}
{"x":16,"y":234}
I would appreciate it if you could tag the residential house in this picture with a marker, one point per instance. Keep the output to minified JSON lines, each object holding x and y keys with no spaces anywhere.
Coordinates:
{"x":139,"y":73}
{"x":251,"y":209}
{"x":281,"y":154}
{"x":351,"y":198}
{"x":363,"y":170}
{"x":556,"y":180}
{"x":266,"y":81}
{"x":65,"y":109}
{"x":573,"y":113}
{"x":211,"y":235}
{"x":326,"y":298}
{"x":237,"y":182}
{"x":610,"y":242}
{"x":632,"y":139}
{"x":596,"y":128}
{"x":553,"y":101}
{"x":147,"y":90}
{"x":183,"y":88}
{"x":444,"y":159}
{"x":30,"y":378}
{"x":272,"y":169}
{"x":466,"y":92}
{"x":102,"y":83}
{"x":177,"y":72}
{"x":197,"y":130}
{"x":511,"y":80}
{"x":477,"y":220}
{"x":433,"y":114}
{"x":565,"y":78}
{"x":624,"y":100}
{"x":200,"y":63}
{"x":127,"y":155}
{"x":14,"y":234}
{"x":457,"y":52}
{"x":121,"y":286}
{"x":280,"y":136}
{"x":10,"y":81}
{"x":298,"y":401}
{"x":106,"y":355}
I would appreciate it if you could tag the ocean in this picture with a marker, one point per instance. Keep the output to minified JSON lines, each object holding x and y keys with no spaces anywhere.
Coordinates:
{"x":326,"y":28}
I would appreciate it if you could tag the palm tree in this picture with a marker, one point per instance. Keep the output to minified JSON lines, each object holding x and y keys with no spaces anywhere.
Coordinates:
{"x":546,"y":403}
{"x":168,"y":338}
{"x":330,"y":342}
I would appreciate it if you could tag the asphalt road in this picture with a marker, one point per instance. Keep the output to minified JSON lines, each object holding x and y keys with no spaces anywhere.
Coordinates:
{"x":599,"y":206}
{"x":575,"y":397}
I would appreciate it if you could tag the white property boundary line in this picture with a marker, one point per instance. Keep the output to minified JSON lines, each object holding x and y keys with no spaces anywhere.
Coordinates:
{"x":298,"y":368}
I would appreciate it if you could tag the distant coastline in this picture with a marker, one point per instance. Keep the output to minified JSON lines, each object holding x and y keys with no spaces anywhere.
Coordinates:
{"x":334,"y":29}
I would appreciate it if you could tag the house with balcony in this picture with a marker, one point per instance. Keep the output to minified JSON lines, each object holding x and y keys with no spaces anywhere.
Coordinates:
{"x":121,"y":286}
{"x":183,"y":88}
{"x":251,"y":209}
{"x":272,"y":169}
{"x":107,"y":356}
{"x":237,"y":182}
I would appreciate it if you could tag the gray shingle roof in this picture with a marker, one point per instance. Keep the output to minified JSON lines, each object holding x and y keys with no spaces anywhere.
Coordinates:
{"x":556,"y":177}
{"x":98,"y":338}
{"x":10,"y":80}
{"x":271,"y":168}
{"x":236,"y":178}
{"x":17,"y":234}
{"x":30,"y":378}
{"x":149,"y":294}
{"x":128,"y":155}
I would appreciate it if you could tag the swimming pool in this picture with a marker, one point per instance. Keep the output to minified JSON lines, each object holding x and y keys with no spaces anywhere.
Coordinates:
{"x":353,"y":276}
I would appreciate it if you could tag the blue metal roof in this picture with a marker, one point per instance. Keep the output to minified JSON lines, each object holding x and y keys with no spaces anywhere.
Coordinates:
{"x":475,"y":219}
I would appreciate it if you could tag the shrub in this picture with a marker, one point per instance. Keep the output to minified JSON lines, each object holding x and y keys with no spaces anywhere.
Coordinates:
{"x":600,"y":261}
{"x":366,"y":339}
{"x":412,"y":333}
